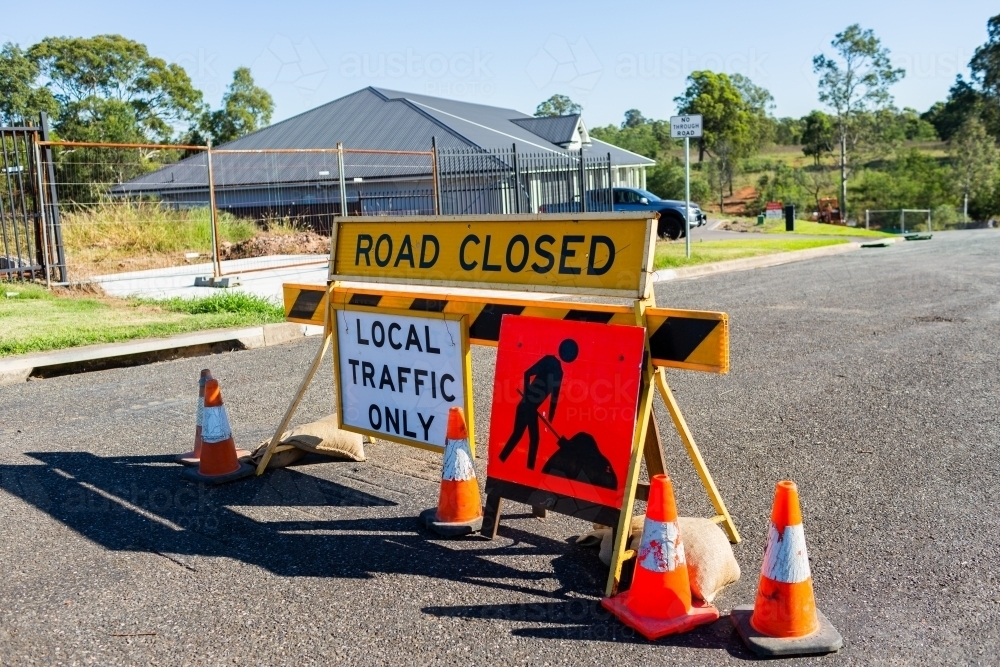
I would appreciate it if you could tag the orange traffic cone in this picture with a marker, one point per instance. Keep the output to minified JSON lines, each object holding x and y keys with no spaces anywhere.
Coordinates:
{"x":218,"y":462}
{"x":784,"y":621}
{"x":659,"y":601}
{"x":459,"y":510}
{"x":191,"y":458}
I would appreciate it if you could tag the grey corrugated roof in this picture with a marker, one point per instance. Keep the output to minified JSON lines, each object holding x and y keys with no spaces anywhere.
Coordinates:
{"x":374,"y":119}
{"x":556,"y":129}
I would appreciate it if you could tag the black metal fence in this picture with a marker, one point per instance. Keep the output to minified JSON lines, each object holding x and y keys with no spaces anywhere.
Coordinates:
{"x":474,"y":181}
{"x":30,"y":237}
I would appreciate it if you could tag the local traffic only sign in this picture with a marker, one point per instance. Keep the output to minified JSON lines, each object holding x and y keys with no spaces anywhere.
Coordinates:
{"x":398,"y":374}
{"x":686,"y":127}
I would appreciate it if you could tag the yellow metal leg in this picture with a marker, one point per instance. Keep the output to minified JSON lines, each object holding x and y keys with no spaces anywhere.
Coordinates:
{"x":327,"y":337}
{"x":699,"y":463}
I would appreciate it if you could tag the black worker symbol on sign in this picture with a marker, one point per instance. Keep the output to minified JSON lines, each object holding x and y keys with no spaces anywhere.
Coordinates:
{"x":578,"y":458}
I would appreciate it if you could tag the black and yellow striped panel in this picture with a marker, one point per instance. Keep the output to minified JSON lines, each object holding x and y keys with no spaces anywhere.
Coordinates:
{"x":685,"y":339}
{"x":306,"y":304}
{"x":692,"y":340}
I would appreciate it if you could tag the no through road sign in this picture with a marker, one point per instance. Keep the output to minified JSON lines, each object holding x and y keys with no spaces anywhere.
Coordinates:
{"x":685,"y":126}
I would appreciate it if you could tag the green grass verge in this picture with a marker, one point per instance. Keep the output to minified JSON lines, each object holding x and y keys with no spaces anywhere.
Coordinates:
{"x":821,"y":229}
{"x":35,"y":320}
{"x":672,"y":255}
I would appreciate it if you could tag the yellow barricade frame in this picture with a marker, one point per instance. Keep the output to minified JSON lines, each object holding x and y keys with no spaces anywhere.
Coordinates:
{"x":680,"y":339}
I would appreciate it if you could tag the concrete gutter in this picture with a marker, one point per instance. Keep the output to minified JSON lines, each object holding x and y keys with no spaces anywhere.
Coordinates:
{"x":748,"y":263}
{"x":91,"y":357}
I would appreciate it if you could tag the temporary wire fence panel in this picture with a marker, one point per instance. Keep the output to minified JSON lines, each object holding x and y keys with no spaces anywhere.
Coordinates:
{"x":110,"y":228}
{"x":292,"y":196}
{"x":129,"y":209}
{"x":899,"y":221}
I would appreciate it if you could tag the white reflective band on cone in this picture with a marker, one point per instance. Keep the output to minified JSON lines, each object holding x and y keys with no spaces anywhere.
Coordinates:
{"x":786,"y":559}
{"x":457,"y":462}
{"x":661,"y":549}
{"x":200,"y":419}
{"x":215,"y":425}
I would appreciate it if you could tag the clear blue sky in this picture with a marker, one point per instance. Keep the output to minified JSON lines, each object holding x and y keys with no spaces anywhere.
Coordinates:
{"x":607,"y":56}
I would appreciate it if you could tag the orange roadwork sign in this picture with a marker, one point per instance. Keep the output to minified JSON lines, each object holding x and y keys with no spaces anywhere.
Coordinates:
{"x":564,"y":407}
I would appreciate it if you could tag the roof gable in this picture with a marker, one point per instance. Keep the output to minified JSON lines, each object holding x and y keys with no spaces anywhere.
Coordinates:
{"x":557,"y":129}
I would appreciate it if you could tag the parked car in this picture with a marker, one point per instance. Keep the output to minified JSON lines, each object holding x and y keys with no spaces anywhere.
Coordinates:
{"x":671,"y":223}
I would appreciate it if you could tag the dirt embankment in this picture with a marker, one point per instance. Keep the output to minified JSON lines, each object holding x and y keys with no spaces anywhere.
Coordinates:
{"x":263,"y":245}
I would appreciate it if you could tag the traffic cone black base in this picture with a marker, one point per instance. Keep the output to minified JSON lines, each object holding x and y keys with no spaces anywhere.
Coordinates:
{"x":244,"y":470}
{"x":654,"y":628}
{"x":429,"y":519}
{"x":825,"y":639}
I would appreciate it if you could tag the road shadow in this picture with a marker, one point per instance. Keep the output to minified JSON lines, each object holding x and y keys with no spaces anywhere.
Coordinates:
{"x":141,"y":503}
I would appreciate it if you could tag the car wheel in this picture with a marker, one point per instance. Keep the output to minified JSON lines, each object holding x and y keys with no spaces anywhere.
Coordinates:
{"x":670,"y":227}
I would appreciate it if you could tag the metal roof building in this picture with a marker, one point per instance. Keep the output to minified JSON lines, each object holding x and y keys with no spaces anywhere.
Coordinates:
{"x":373,"y":119}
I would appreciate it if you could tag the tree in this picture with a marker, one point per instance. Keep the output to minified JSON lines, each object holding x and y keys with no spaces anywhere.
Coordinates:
{"x":854,"y":81}
{"x":788,"y":131}
{"x":817,"y":135}
{"x":985,"y":63}
{"x":963,"y":102}
{"x":94,"y":79}
{"x":20,"y":99}
{"x":732,"y":108}
{"x":245,"y":108}
{"x":975,"y":158}
{"x":735,"y":121}
{"x":633,"y":118}
{"x":759,"y":103}
{"x":721,"y":105}
{"x":557,"y":105}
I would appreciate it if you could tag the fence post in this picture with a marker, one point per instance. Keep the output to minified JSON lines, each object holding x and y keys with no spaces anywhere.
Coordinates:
{"x":902,"y":221}
{"x":435,"y":176}
{"x":517,"y":178}
{"x":583,"y":184}
{"x":343,"y":182}
{"x":611,"y":185}
{"x":46,"y":260}
{"x":866,"y":218}
{"x":54,"y":221}
{"x":216,"y":260}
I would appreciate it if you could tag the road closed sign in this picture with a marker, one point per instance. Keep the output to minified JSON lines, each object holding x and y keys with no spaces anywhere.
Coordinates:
{"x":608,"y":254}
{"x":398,"y":374}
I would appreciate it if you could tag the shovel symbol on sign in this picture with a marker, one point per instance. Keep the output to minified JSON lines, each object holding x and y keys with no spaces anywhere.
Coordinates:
{"x":579,"y":459}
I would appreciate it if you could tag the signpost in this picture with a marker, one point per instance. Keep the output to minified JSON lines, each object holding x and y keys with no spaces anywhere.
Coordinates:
{"x":687,"y":127}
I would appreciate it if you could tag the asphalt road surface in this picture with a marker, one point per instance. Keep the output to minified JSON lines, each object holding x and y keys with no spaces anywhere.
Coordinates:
{"x":871,"y":378}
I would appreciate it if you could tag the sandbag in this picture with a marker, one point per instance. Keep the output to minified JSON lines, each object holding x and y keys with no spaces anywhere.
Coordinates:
{"x":710,"y":560}
{"x":320,"y":437}
{"x":282,"y":456}
{"x":711,"y":563}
